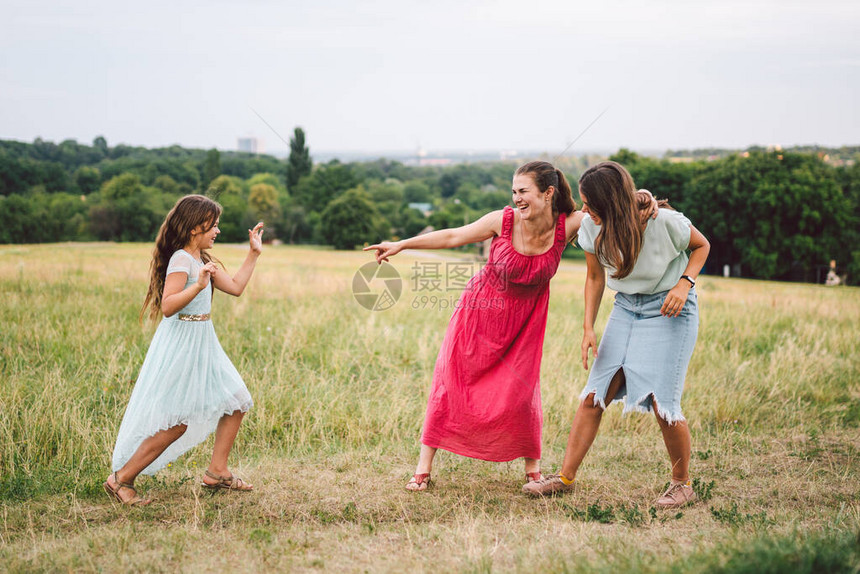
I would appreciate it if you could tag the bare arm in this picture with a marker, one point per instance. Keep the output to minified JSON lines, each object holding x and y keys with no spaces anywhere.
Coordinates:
{"x":677,"y":296}
{"x":571,"y":225}
{"x":484,"y":228}
{"x":700,"y":248}
{"x":236,"y":284}
{"x":595,"y":282}
{"x":647,"y":204}
{"x":176,"y":296}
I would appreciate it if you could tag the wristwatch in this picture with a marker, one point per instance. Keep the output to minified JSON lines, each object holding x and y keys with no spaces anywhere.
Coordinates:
{"x":690,"y":279}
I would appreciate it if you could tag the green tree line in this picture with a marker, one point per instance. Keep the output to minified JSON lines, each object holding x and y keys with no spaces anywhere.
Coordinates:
{"x":768,"y":214}
{"x":74,"y":192}
{"x":771,"y":215}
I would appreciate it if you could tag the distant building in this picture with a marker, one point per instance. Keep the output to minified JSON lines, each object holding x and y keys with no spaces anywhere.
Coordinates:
{"x":437,"y":161}
{"x":250,"y":145}
{"x":425,"y":208}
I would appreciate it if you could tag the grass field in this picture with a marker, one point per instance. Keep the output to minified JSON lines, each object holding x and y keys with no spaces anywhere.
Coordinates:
{"x":773,"y":400}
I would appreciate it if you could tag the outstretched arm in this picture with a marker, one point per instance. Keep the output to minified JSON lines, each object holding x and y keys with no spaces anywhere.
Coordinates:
{"x":595,"y":281}
{"x":236,"y":284}
{"x":484,"y":228}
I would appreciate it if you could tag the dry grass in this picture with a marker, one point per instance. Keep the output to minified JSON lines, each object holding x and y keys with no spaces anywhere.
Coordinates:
{"x":773,"y":400}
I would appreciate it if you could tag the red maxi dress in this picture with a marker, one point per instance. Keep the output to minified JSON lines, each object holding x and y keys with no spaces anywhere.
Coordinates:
{"x":485,"y":399}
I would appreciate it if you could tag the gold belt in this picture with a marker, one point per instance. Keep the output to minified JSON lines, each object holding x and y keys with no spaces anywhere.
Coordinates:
{"x":183,"y":317}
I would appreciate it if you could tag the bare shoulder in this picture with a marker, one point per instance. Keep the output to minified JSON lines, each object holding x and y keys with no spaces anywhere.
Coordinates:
{"x":571,"y":225}
{"x":493,"y":221}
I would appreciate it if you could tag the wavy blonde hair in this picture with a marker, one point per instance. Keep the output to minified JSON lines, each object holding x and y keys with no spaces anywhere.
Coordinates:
{"x":188,"y":214}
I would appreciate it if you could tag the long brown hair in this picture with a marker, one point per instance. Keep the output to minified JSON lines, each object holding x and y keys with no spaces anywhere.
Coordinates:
{"x":611,"y":195}
{"x":189,"y":212}
{"x":545,"y":175}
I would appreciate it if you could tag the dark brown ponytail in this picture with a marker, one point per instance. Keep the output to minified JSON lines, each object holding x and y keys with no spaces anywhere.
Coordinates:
{"x":546,"y":175}
{"x":563,"y":199}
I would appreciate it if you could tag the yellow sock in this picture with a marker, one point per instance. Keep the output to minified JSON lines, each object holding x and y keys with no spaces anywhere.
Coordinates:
{"x":566,"y":481}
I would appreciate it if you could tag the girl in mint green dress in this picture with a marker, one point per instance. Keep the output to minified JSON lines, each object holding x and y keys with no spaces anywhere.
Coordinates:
{"x":187,"y":386}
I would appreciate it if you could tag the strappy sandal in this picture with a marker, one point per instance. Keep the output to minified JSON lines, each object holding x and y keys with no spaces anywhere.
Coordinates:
{"x":533,"y":476}
{"x":226,"y":483}
{"x":419,"y":480}
{"x":114,"y":493}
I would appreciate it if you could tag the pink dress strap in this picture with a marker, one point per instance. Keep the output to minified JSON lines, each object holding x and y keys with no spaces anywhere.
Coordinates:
{"x":508,"y":222}
{"x":560,"y":231}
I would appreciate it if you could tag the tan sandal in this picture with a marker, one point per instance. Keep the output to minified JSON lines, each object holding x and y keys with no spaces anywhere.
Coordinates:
{"x":226,"y":483}
{"x":422,"y":482}
{"x":533,"y":477}
{"x":114,"y":493}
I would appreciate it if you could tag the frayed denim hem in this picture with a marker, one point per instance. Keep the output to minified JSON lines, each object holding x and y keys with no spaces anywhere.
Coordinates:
{"x":637,"y":406}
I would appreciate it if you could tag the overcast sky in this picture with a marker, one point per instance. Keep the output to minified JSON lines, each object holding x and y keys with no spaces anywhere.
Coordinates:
{"x":392,"y":75}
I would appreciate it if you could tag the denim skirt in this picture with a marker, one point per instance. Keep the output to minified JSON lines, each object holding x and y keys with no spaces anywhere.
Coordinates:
{"x":652,"y":350}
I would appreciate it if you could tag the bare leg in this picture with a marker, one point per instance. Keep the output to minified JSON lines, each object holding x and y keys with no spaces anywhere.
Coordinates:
{"x":425,"y":466}
{"x":532,"y":465}
{"x":149,"y":450}
{"x":225,"y":436}
{"x":425,"y":459}
{"x":585,"y":424}
{"x":678,"y":443}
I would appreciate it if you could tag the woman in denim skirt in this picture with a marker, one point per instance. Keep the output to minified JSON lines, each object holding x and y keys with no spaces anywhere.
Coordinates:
{"x":643,"y":356}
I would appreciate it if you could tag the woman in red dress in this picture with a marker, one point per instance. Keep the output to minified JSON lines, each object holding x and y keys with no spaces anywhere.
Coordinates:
{"x":485,"y":401}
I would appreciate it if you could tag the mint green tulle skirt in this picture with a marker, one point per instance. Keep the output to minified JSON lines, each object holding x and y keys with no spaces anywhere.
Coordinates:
{"x":186,"y":379}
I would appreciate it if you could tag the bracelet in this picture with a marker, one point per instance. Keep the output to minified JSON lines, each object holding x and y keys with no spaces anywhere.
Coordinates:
{"x":690,"y":279}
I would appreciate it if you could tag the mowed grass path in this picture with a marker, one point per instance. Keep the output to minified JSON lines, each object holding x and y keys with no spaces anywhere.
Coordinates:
{"x":773,"y":400}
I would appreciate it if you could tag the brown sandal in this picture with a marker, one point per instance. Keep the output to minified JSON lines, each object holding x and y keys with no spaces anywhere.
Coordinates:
{"x":114,"y":493}
{"x":421,"y":480}
{"x":226,"y":483}
{"x":533,"y":476}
